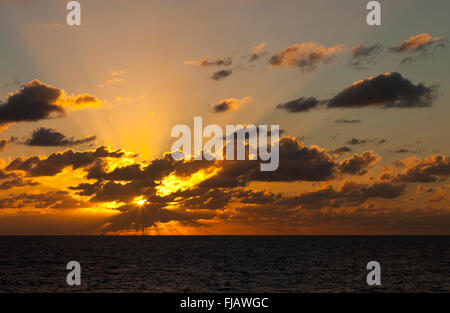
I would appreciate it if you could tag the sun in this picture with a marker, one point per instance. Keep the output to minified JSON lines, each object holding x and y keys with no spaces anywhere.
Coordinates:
{"x":140,"y":201}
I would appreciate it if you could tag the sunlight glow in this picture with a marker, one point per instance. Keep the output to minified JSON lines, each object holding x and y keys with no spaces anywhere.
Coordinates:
{"x":140,"y":200}
{"x":173,"y":183}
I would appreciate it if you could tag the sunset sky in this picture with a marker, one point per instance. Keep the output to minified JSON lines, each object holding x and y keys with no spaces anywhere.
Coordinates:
{"x":86,"y":114}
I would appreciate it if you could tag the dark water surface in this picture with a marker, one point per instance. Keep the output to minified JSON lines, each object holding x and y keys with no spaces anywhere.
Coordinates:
{"x":225,"y":264}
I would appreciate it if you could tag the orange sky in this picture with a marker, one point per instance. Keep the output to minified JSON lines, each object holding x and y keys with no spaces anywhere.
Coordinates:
{"x":86,"y":115}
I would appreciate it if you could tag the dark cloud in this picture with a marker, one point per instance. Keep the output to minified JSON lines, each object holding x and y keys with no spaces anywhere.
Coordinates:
{"x":133,"y":217}
{"x":213,"y":199}
{"x":36,"y":101}
{"x":358,"y":164}
{"x":430,"y":169}
{"x":390,"y":90}
{"x":364,"y":56}
{"x":406,"y":150}
{"x":341,"y":150}
{"x":223,"y":106}
{"x":306,"y":56}
{"x":346,"y":121}
{"x":349,"y":194}
{"x":205,"y":62}
{"x":206,"y":203}
{"x":375,"y":220}
{"x":46,"y":137}
{"x":136,"y":179}
{"x":356,"y":141}
{"x":221,"y":74}
{"x":5,"y":174}
{"x":301,"y":104}
{"x":3,"y":144}
{"x":17,"y":182}
{"x":230,"y":104}
{"x":402,"y":150}
{"x":56,"y":162}
{"x":385,"y":91}
{"x":51,"y":199}
{"x":297,"y":163}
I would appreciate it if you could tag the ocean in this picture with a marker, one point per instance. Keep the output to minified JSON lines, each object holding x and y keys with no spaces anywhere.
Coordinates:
{"x":257,"y":264}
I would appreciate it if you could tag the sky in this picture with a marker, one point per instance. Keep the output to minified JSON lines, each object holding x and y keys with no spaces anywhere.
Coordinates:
{"x":86,"y":114}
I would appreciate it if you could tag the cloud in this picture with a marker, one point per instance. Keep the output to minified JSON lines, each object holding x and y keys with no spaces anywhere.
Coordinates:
{"x":421,"y":45}
{"x":111,"y":81}
{"x":349,"y":194}
{"x":205,"y":62}
{"x":306,"y":56}
{"x":36,"y":101}
{"x":390,"y":90}
{"x":51,"y":199}
{"x":358,"y":164}
{"x":4,"y":142}
{"x":297,"y":163}
{"x":56,"y":162}
{"x":5,"y":174}
{"x":355,"y":141}
{"x":17,"y":182}
{"x":407,"y":150}
{"x":228,"y":197}
{"x":47,"y":137}
{"x":430,"y":169}
{"x":420,"y":42}
{"x":341,"y":150}
{"x":346,"y":121}
{"x":219,"y":75}
{"x":82,"y":102}
{"x":117,"y":78}
{"x":202,"y":194}
{"x":210,"y":203}
{"x":257,"y":52}
{"x":230,"y":104}
{"x":301,"y":104}
{"x":363,"y":56}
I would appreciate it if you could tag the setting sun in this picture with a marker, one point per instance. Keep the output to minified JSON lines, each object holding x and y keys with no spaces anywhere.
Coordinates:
{"x":140,"y":201}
